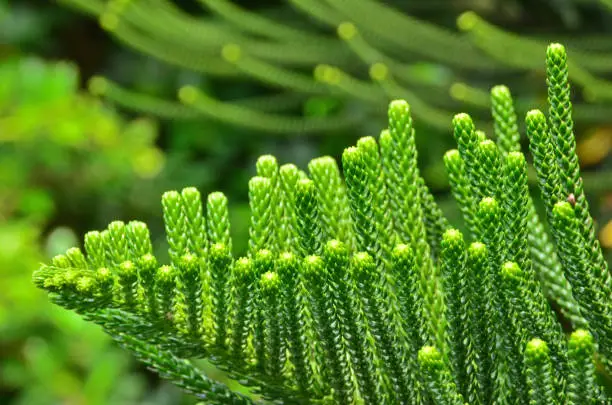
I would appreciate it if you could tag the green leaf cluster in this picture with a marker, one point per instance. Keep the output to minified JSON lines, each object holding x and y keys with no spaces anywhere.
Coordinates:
{"x":58,"y":144}
{"x":355,"y":288}
{"x":51,"y":133}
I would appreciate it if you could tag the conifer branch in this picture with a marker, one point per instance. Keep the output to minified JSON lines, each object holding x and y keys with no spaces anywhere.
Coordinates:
{"x":438,"y":378}
{"x":357,"y":288}
{"x":504,"y":120}
{"x":539,"y":373}
{"x":582,"y":385}
{"x":562,"y":126}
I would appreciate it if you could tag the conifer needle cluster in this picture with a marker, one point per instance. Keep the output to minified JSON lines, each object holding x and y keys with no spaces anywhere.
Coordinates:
{"x":357,"y":289}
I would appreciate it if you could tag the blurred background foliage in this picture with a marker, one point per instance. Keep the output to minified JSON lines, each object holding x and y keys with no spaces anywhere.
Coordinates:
{"x":105,"y":104}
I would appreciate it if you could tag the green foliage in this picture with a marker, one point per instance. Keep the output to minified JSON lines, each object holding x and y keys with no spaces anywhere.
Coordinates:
{"x":356,"y":301}
{"x":46,"y":125}
{"x":328,"y":57}
{"x":582,"y":385}
{"x":339,"y":90}
{"x":57,"y":145}
{"x":539,"y":373}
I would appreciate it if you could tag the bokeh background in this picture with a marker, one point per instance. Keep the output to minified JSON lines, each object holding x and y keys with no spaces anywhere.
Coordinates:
{"x":106,"y":104}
